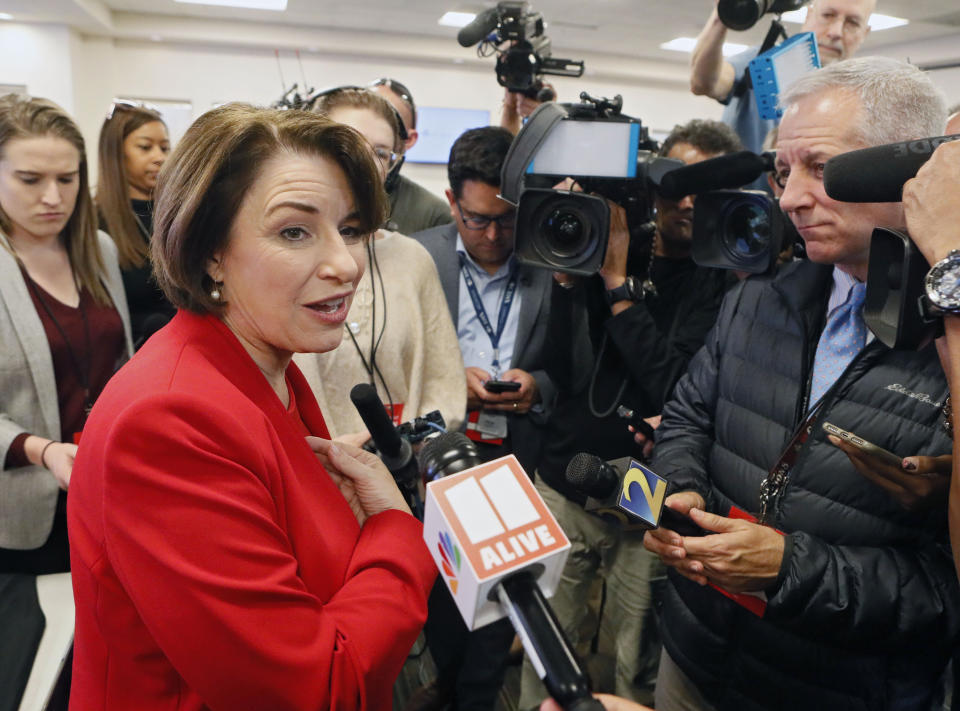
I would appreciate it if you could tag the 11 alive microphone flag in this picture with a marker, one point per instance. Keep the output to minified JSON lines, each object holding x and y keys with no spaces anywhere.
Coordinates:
{"x":484,"y":524}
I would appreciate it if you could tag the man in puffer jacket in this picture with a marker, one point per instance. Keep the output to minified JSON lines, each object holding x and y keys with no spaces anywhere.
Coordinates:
{"x":845,"y":599}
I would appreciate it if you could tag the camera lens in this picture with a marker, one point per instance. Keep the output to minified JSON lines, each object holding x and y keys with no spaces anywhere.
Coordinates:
{"x":741,"y":14}
{"x":746,"y":230}
{"x":565,"y":232}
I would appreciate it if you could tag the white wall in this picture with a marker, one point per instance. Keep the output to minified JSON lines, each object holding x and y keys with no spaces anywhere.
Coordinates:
{"x":83,"y":73}
{"x":39,"y":57}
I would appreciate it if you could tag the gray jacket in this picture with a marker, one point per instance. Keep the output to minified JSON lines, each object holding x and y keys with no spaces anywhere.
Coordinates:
{"x":535,"y":286}
{"x":28,"y":399}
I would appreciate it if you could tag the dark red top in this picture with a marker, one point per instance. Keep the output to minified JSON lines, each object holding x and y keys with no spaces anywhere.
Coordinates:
{"x":97,"y":357}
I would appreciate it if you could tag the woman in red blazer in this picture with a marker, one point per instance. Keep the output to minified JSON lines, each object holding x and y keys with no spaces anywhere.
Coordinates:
{"x":225,"y":554}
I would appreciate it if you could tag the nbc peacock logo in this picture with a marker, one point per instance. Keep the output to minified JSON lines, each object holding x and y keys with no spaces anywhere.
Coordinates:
{"x":450,"y":559}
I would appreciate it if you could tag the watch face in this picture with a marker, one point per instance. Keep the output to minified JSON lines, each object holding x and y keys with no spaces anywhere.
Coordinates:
{"x":943,"y":284}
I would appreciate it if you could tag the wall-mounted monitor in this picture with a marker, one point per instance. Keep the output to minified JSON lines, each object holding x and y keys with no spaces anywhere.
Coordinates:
{"x":439,"y":128}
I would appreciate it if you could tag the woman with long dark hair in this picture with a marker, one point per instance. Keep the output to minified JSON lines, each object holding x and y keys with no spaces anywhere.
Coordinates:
{"x":133,"y":147}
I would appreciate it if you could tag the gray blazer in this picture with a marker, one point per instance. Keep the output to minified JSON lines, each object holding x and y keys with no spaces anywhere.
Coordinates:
{"x":535,"y":286}
{"x":28,"y":399}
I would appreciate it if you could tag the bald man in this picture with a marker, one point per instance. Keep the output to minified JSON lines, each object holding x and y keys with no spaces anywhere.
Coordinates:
{"x":840,"y":26}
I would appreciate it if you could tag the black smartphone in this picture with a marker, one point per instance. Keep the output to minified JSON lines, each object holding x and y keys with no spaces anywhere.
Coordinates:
{"x":683,"y":525}
{"x":502,"y":386}
{"x":636,"y":421}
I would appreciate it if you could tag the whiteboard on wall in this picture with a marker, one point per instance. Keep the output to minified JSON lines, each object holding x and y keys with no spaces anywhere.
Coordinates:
{"x":439,"y":128}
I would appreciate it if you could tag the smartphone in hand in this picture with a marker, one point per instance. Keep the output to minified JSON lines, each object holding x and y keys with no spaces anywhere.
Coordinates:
{"x":502,"y":386}
{"x":863,"y":445}
{"x":679,"y":523}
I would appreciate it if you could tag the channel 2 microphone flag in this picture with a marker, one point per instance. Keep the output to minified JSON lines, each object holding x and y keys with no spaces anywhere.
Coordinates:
{"x":485,"y":523}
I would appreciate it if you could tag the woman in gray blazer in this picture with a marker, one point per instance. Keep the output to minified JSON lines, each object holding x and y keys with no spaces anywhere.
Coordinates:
{"x":64,"y":326}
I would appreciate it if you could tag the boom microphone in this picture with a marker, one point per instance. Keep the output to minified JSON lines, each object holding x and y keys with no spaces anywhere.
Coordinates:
{"x":720,"y":173}
{"x":626,"y":493}
{"x":395,"y":452}
{"x":478,"y":29}
{"x":877,"y":174}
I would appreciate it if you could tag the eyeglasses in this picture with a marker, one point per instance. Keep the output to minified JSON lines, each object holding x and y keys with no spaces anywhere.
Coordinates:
{"x":387,"y":158}
{"x":505,"y":222}
{"x":126,"y":105}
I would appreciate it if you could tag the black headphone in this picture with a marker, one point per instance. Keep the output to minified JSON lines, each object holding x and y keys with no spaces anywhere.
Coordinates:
{"x":393,"y":176}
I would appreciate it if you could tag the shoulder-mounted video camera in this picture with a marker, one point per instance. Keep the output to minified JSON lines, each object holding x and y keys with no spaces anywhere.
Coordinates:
{"x":607,"y":154}
{"x":522,"y":64}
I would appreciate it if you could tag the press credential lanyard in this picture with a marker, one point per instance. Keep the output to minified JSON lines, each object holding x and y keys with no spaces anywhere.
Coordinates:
{"x":505,"y":303}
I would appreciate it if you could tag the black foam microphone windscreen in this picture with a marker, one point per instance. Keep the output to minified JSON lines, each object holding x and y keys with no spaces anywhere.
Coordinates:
{"x":720,"y":173}
{"x":878,"y":174}
{"x":478,"y":29}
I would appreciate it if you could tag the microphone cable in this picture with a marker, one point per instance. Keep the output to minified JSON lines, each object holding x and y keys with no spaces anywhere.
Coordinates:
{"x":372,"y":368}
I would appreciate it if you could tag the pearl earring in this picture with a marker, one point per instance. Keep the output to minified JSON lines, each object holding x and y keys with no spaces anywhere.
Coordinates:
{"x":215,"y":292}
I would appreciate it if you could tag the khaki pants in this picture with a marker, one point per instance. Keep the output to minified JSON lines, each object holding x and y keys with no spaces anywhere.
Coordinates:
{"x":599,"y":548}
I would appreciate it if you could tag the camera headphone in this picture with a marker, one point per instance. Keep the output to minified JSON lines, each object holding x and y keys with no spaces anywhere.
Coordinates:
{"x":393,"y":176}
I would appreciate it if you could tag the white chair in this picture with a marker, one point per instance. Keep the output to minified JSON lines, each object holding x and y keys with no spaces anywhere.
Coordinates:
{"x":55,"y":593}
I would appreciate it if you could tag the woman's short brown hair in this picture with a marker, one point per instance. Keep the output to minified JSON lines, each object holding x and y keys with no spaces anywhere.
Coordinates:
{"x":204,"y":181}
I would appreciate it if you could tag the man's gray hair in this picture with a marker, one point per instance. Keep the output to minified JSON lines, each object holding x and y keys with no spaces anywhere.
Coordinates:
{"x":898,"y":101}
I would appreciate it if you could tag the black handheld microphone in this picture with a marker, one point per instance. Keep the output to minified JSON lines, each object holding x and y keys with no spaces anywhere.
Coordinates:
{"x":627,"y":493}
{"x":395,"y":452}
{"x":720,"y":173}
{"x":541,"y":634}
{"x":478,"y":29}
{"x":877,"y":174}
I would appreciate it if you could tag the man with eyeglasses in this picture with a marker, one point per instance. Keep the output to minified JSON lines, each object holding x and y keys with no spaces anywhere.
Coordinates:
{"x":412,"y":207}
{"x":499,"y":308}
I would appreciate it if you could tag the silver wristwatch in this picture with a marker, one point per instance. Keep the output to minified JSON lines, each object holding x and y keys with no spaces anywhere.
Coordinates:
{"x":943,"y":283}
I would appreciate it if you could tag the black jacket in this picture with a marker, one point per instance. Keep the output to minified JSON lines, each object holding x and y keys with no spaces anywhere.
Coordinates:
{"x":865,"y":610}
{"x":637,"y":356}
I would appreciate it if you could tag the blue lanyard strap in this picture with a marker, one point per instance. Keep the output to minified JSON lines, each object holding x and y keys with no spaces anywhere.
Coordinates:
{"x":505,"y":303}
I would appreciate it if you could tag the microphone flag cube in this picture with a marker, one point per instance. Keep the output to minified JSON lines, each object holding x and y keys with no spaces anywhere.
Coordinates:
{"x":485,"y":523}
{"x":637,"y":502}
{"x":642,"y":494}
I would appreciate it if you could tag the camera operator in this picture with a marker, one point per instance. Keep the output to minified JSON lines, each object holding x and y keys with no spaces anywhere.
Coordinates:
{"x":412,"y":207}
{"x":840,"y":26}
{"x":932,"y":215}
{"x":612,"y":343}
{"x":844,"y":598}
{"x":517,"y":107}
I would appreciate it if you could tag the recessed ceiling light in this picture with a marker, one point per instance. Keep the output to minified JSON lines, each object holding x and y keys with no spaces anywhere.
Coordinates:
{"x":456,"y":19}
{"x":686,"y":44}
{"x":877,"y":21}
{"x":5,"y":16}
{"x":279,"y":5}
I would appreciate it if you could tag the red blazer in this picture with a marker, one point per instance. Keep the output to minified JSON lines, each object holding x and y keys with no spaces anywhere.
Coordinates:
{"x":215,"y":563}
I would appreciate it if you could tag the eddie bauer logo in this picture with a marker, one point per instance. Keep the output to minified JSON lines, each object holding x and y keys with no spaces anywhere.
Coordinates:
{"x":922,"y":397}
{"x":450,"y":555}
